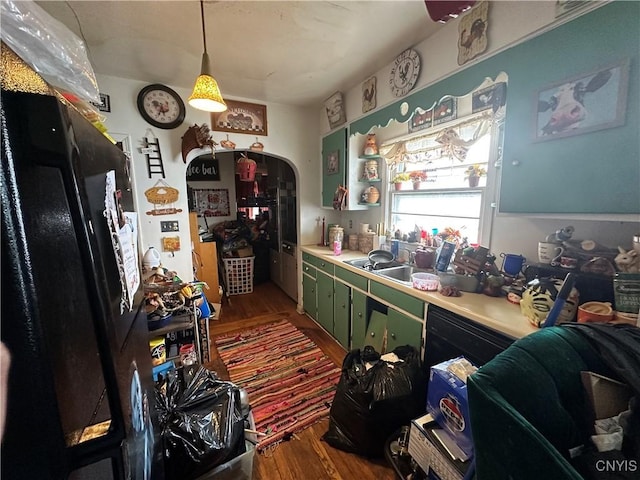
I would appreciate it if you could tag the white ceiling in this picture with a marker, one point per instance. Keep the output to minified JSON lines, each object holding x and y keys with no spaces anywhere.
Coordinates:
{"x":292,"y":52}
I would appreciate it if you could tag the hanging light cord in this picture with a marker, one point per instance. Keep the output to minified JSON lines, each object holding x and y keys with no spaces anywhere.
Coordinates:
{"x":204,"y":35}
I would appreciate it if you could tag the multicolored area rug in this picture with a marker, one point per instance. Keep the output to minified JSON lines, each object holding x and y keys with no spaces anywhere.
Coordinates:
{"x":290,"y":382}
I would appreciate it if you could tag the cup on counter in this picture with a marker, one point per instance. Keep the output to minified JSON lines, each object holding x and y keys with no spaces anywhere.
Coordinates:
{"x":512,"y":264}
{"x":364,"y":227}
{"x":549,"y":252}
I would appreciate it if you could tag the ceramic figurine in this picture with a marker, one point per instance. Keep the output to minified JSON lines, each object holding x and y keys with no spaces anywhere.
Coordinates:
{"x":371,"y":170}
{"x":370,"y":147}
{"x":539,"y":297}
{"x":628,"y":262}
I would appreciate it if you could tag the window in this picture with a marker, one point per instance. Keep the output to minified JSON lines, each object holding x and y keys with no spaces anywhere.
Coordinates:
{"x":440,"y":161}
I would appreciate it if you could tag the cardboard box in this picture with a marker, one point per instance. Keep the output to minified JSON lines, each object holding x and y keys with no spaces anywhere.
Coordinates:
{"x":608,"y":397}
{"x":447,"y":403}
{"x":245,"y":251}
{"x":430,"y":455}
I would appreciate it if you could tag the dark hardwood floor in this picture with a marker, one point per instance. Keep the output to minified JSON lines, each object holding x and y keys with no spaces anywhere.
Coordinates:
{"x":308,"y":457}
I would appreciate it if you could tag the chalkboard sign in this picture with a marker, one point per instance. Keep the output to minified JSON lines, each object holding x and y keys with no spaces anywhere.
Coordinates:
{"x":203,"y":168}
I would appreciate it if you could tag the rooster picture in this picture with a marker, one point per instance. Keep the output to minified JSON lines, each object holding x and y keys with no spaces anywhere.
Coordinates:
{"x":369,"y":95}
{"x":403,"y":71}
{"x":472,"y":37}
{"x":161,"y":107}
{"x":475,"y":33}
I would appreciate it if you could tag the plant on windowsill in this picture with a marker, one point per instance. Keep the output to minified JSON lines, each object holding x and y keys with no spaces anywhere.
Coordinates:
{"x":399,"y":179}
{"x":417,"y":178}
{"x":473,"y":174}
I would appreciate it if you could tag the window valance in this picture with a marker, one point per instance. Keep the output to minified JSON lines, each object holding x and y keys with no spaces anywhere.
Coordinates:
{"x":451,"y":141}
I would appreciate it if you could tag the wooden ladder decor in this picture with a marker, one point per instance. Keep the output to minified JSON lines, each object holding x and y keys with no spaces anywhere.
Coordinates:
{"x":151,"y":150}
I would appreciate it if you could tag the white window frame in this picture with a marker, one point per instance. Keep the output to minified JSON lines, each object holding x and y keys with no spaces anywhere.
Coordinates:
{"x":489,"y":192}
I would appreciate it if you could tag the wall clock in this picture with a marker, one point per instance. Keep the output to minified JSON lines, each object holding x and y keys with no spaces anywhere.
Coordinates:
{"x":404,"y":72}
{"x":161,"y":106}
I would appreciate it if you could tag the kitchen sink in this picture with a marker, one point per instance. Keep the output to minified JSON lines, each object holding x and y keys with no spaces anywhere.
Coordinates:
{"x":359,"y":262}
{"x":400,"y":274}
{"x":366,"y":264}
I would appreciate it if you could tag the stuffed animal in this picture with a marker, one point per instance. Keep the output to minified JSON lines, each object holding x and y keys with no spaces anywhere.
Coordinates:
{"x":627,"y":262}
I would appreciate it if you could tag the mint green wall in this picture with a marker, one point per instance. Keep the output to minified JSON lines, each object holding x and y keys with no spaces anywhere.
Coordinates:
{"x":597,"y":172}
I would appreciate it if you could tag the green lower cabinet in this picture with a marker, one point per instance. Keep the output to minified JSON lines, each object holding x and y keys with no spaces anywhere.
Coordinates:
{"x":375,"y":331}
{"x":402,"y":330}
{"x":341,"y":313}
{"x":358,"y":319}
{"x":325,"y":301}
{"x":309,"y":299}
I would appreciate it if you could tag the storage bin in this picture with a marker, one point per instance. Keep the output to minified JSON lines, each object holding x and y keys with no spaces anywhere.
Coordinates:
{"x":239,"y":468}
{"x":239,"y":275}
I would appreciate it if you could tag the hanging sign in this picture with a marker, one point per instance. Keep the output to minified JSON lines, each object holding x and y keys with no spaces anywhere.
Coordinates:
{"x":203,"y":168}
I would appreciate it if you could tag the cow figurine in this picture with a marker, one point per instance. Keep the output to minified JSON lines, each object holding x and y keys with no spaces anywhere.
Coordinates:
{"x":567,"y":104}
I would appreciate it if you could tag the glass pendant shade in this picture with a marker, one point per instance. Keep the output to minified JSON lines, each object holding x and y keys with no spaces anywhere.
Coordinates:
{"x":206,"y":93}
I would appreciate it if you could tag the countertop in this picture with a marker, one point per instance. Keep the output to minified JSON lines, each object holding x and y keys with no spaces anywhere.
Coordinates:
{"x":493,"y":312}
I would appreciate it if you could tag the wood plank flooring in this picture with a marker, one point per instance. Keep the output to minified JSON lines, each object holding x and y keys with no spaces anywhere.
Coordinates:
{"x":308,"y":457}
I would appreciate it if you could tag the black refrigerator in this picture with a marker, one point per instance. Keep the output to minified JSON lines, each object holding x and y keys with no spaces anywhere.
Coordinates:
{"x":80,"y":394}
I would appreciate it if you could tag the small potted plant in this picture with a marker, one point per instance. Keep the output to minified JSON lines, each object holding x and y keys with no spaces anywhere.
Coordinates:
{"x":399,"y":179}
{"x":417,"y":178}
{"x":473,"y":174}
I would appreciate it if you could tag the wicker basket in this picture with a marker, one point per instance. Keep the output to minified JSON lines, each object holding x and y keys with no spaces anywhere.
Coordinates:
{"x":161,"y":194}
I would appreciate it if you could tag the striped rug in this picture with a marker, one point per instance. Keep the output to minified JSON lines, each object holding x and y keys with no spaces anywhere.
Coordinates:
{"x":290,"y":382}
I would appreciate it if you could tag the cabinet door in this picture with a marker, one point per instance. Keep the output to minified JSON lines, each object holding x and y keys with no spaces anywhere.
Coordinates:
{"x":334,"y":164}
{"x":341,"y":313}
{"x":376,"y":330}
{"x":275,"y":268}
{"x":325,"y":301}
{"x":402,"y":330}
{"x":289,"y":275}
{"x":358,"y":318}
{"x":309,"y":299}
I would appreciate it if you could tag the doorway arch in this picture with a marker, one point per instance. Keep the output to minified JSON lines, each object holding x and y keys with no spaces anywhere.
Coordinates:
{"x":273,"y":193}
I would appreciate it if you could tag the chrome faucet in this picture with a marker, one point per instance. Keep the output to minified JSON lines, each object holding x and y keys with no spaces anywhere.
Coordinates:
{"x":412,"y":255}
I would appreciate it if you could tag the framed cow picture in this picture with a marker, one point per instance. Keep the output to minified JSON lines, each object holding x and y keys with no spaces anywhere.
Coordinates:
{"x":584,"y":103}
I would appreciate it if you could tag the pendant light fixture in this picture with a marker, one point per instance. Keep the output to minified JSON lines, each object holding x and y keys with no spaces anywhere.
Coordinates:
{"x":206,"y":94}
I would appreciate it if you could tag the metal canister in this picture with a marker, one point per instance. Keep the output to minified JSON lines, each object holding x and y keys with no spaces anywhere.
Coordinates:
{"x":626,"y":291}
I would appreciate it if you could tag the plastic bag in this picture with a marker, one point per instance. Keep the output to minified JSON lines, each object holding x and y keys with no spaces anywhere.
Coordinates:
{"x":201,"y":421}
{"x":49,"y":47}
{"x":370,"y":404}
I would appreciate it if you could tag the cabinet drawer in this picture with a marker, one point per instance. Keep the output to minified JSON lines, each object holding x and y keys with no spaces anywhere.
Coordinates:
{"x":352,"y":278}
{"x":325,"y":266}
{"x":309,"y":270}
{"x":400,"y":299}
{"x":307,"y":257}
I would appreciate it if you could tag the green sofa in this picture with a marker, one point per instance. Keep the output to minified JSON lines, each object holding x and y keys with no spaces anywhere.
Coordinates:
{"x":528,"y":409}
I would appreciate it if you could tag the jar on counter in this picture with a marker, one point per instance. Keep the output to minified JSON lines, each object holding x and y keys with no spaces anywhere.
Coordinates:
{"x":353,"y":241}
{"x":336,"y":233}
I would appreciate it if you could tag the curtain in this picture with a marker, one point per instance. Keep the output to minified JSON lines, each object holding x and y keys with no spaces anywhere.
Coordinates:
{"x":452,"y":141}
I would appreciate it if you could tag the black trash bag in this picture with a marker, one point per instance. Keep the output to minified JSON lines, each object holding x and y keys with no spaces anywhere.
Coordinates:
{"x":369,"y":405}
{"x":201,"y":421}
